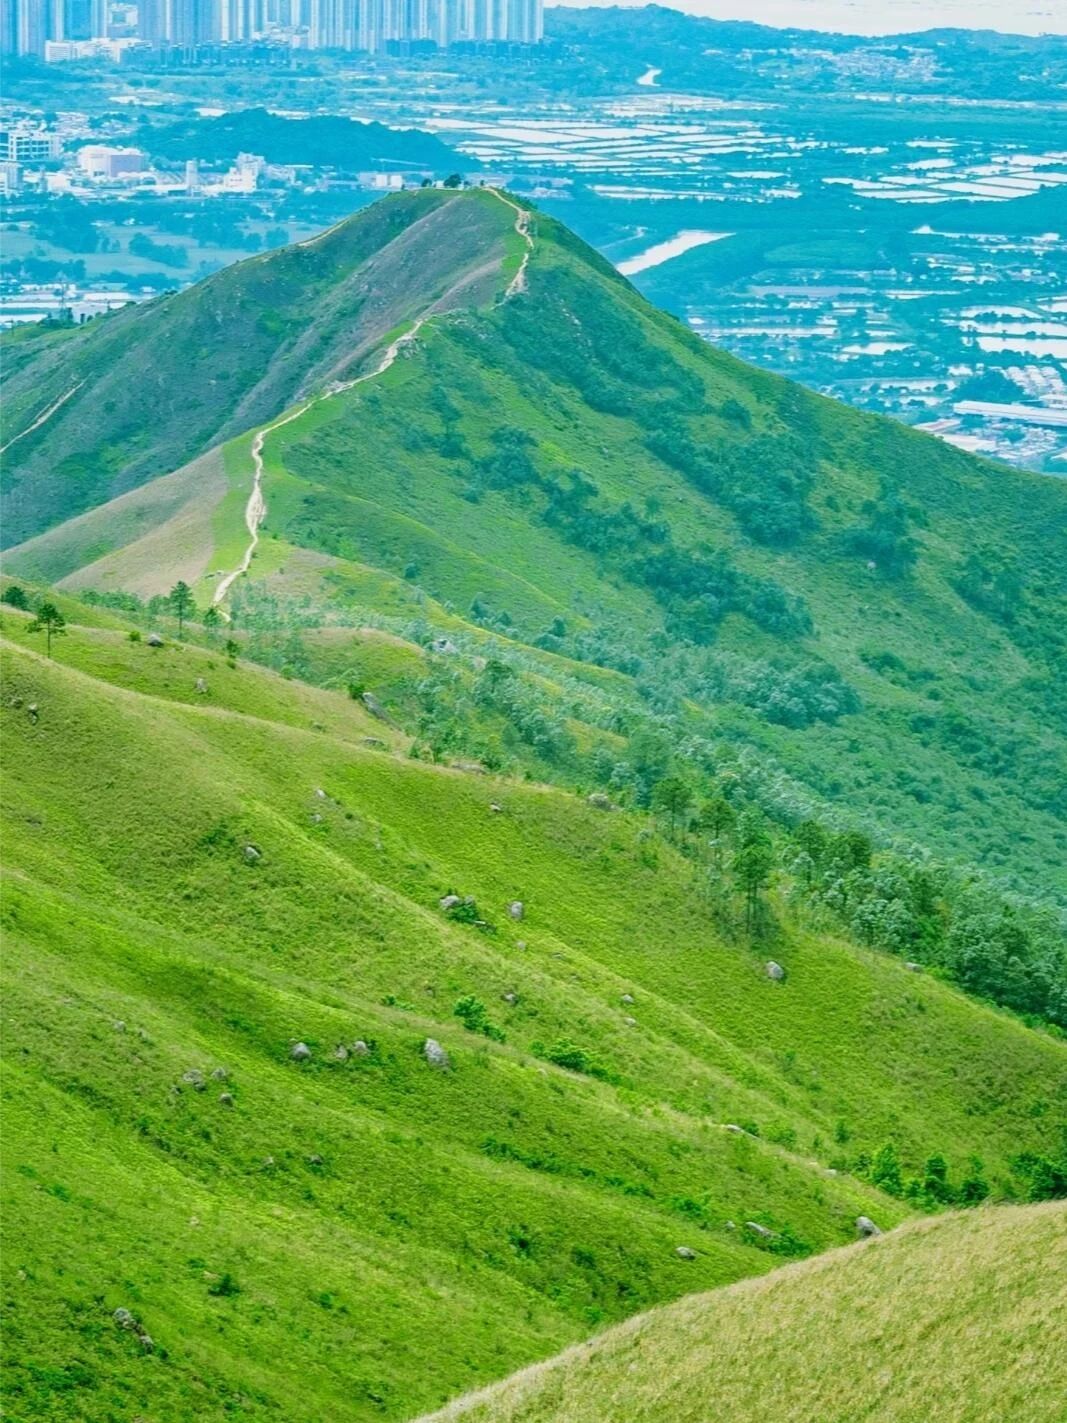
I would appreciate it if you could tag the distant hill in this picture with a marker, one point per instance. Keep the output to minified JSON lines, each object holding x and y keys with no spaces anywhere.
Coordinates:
{"x":349,"y":145}
{"x":959,"y":1320}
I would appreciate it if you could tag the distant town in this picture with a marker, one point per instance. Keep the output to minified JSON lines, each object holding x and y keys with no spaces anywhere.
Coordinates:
{"x":807,"y":202}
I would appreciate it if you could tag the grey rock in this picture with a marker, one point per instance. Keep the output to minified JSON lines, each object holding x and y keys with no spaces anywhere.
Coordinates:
{"x":119,"y":1025}
{"x":201,"y":686}
{"x":444,"y":646}
{"x":253,"y":853}
{"x":472,"y":768}
{"x":375,"y":742}
{"x":516,"y":909}
{"x":914,"y":967}
{"x":599,"y":801}
{"x":626,"y":998}
{"x":124,"y":1319}
{"x":520,"y":943}
{"x":775,"y":971}
{"x":300,"y":1052}
{"x":314,"y":1159}
{"x":737,"y":1131}
{"x":154,"y":640}
{"x":865,"y":1227}
{"x":630,"y":1022}
{"x":760,"y":1230}
{"x":435,"y":1054}
{"x":219,"y":1074}
{"x":194,"y":1078}
{"x":33,"y":712}
{"x":510,"y":997}
{"x":225,"y":1099}
{"x":360,"y":1048}
{"x":684,"y":1253}
{"x":496,"y":809}
{"x":730,"y":1225}
{"x":145,"y":1340}
{"x":340,"y":1053}
{"x":320,"y":794}
{"x":450,"y":901}
{"x":374,"y":706}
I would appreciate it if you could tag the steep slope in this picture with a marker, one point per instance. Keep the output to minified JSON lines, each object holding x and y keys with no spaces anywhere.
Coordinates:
{"x":982,"y":1335}
{"x":199,"y":876}
{"x":93,"y":411}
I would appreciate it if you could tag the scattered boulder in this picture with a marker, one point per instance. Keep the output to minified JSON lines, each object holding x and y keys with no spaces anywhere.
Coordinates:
{"x":435,"y":1054}
{"x":516,"y":909}
{"x":684,"y":1253}
{"x":761,"y":1231}
{"x":340,"y":1053}
{"x":219,"y":1074}
{"x":520,"y":943}
{"x":201,"y":687}
{"x":630,"y":1022}
{"x":154,"y":640}
{"x":473,"y":768}
{"x":300,"y":1052}
{"x":496,"y":809}
{"x":253,"y":853}
{"x":444,"y":646}
{"x":510,"y":997}
{"x":360,"y":1049}
{"x":775,"y":971}
{"x":314,"y":1159}
{"x":730,"y":1225}
{"x":320,"y":794}
{"x":914,"y":967}
{"x":194,"y":1078}
{"x":450,"y":901}
{"x":865,"y":1227}
{"x":375,"y":742}
{"x":626,"y":998}
{"x":225,"y":1099}
{"x":33,"y":712}
{"x":124,"y":1319}
{"x":733,"y":1127}
{"x":599,"y":801}
{"x":119,"y":1025}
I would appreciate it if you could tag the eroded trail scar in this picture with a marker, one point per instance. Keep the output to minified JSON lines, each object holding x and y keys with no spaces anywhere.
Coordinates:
{"x":256,"y":508}
{"x":522,"y":227}
{"x":45,"y":415}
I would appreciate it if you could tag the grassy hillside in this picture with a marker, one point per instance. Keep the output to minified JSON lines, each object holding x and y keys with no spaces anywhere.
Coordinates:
{"x":688,"y":569}
{"x":983,"y":1335}
{"x":198,"y":877}
{"x":141,"y":392}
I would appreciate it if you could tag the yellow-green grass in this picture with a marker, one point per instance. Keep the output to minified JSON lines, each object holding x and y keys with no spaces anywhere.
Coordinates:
{"x":370,"y":1235}
{"x":957,"y":1320}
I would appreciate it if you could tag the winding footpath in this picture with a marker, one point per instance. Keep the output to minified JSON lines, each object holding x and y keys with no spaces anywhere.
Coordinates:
{"x":256,"y":508}
{"x":45,"y":415}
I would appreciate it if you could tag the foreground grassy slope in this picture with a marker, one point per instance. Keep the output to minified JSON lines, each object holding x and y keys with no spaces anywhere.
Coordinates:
{"x":151,"y":387}
{"x":959,"y":1320}
{"x":363,"y":1232}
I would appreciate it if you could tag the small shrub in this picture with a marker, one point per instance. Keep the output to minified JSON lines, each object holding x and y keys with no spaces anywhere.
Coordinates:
{"x":474,"y":1016}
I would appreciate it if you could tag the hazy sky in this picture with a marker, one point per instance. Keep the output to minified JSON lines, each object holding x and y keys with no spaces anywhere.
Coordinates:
{"x":867,"y":17}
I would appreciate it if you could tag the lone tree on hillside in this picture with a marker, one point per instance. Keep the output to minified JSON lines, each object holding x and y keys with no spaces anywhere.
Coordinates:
{"x":181,"y":602}
{"x":753,"y":864}
{"x":212,"y":619}
{"x":672,"y":797}
{"x":15,"y":597}
{"x":50,"y":621}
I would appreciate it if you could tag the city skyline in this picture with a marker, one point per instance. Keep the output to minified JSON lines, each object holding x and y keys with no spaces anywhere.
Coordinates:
{"x":28,"y":26}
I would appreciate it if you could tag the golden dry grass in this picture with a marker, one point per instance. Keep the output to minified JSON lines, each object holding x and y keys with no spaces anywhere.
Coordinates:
{"x":959,"y":1319}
